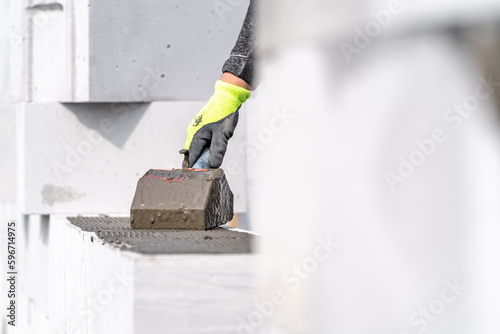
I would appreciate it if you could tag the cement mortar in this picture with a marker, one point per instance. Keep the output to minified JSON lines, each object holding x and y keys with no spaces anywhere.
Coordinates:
{"x":182,"y":199}
{"x":118,"y":233}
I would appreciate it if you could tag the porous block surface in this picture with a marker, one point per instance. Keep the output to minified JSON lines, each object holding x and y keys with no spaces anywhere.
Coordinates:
{"x":117,"y":232}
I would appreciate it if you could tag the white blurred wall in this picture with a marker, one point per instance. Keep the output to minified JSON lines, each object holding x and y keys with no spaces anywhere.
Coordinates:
{"x":344,"y":250}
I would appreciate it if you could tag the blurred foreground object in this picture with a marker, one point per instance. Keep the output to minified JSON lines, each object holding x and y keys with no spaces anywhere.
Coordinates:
{"x":396,"y":227}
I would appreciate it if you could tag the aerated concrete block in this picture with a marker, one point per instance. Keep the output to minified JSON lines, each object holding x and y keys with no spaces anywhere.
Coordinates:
{"x":87,"y":158}
{"x":8,"y":144}
{"x":125,"y":50}
{"x":111,"y":279}
{"x":117,"y":232}
{"x":48,"y":66}
{"x":185,"y":199}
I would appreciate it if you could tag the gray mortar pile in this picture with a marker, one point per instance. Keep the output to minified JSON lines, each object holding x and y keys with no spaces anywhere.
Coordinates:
{"x":183,"y":199}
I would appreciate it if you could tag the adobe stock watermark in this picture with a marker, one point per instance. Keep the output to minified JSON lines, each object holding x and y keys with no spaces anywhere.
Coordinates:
{"x":426,"y":147}
{"x":364,"y":35}
{"x":100,"y":301}
{"x":221,"y":7}
{"x":75,"y":155}
{"x":40,"y":16}
{"x":280,"y":120}
{"x":293,"y":279}
{"x":421,"y":319}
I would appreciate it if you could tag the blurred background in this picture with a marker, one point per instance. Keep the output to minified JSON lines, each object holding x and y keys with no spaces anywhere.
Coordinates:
{"x":368,"y":160}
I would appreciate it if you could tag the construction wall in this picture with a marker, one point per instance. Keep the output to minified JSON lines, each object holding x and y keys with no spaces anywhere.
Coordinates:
{"x":7,"y":115}
{"x":93,"y":94}
{"x":128,"y":57}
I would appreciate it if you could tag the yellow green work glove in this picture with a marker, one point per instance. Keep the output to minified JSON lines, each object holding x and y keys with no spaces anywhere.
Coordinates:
{"x":215,"y":123}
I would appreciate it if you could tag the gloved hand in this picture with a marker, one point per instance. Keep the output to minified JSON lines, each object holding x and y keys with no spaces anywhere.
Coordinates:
{"x":215,"y":123}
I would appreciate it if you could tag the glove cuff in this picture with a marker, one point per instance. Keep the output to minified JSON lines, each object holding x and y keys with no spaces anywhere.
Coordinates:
{"x":232,"y":92}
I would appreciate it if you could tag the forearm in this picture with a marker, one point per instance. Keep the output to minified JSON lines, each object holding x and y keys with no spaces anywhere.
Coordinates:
{"x":214,"y":125}
{"x":241,"y":61}
{"x":234,"y":80}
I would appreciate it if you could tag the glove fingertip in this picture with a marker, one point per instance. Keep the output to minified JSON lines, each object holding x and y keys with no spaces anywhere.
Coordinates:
{"x":217,"y":152}
{"x":215,"y":162}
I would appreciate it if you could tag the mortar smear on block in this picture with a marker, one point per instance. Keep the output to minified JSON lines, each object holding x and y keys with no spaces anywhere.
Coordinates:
{"x":190,"y":199}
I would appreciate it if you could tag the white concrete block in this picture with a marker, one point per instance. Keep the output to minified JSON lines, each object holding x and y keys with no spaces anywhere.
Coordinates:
{"x":8,"y":145}
{"x":47,"y":65}
{"x":99,"y":288}
{"x":8,"y":213}
{"x":56,"y":273}
{"x":193,"y":293}
{"x":177,"y":47}
{"x":35,"y":268}
{"x":15,"y":54}
{"x":88,"y":158}
{"x":41,"y":266}
{"x":110,"y":288}
{"x":122,"y":51}
{"x":75,"y":284}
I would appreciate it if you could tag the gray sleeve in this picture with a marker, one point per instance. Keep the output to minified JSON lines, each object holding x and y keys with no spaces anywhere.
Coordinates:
{"x":241,"y":60}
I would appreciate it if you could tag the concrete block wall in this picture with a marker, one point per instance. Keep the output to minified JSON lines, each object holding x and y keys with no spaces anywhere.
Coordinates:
{"x":87,"y":158}
{"x":76,"y":73}
{"x":122,"y":51}
{"x":7,"y":115}
{"x":46,"y":55}
{"x":65,"y":271}
{"x":84,"y":286}
{"x":8,"y":208}
{"x":8,"y":165}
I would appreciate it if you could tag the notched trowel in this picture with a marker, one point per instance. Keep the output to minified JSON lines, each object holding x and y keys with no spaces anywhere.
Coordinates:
{"x":195,"y":198}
